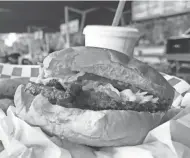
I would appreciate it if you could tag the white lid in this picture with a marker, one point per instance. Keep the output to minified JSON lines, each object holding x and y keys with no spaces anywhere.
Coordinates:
{"x":111,"y":30}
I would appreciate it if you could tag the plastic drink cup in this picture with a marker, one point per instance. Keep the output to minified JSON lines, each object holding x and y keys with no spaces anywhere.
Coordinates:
{"x":122,"y":39}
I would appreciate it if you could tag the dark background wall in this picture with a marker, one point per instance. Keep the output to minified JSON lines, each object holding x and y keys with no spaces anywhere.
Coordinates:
{"x":51,"y":13}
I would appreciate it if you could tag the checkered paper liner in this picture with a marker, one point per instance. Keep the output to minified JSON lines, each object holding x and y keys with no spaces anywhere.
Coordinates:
{"x":32,"y":72}
{"x":16,"y":71}
{"x":181,"y":86}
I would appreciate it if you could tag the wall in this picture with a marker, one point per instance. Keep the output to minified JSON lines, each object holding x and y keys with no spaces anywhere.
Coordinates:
{"x":156,"y":31}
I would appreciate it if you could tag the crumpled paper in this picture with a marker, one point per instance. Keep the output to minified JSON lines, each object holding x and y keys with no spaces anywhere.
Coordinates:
{"x":23,"y":141}
{"x":169,"y":140}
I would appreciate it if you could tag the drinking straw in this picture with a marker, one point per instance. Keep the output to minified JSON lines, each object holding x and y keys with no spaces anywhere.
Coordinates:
{"x":118,"y":13}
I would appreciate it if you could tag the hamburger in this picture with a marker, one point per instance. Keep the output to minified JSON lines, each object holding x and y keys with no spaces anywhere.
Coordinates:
{"x":96,"y":97}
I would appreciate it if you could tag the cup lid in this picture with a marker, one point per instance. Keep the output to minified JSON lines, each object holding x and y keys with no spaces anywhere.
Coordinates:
{"x":111,"y":30}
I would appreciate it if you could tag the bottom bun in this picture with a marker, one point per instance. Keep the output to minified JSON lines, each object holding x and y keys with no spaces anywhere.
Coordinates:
{"x":93,"y":128}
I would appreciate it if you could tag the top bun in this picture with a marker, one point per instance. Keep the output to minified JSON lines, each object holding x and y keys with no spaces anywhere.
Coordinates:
{"x":110,"y":64}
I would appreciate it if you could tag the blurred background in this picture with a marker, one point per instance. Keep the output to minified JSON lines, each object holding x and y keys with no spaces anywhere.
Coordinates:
{"x":30,"y":30}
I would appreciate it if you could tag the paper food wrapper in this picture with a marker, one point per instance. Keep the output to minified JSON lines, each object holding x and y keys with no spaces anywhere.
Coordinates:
{"x":169,"y":140}
{"x":21,"y":140}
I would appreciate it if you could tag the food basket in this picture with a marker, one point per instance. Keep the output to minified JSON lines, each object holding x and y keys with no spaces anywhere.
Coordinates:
{"x":169,"y":140}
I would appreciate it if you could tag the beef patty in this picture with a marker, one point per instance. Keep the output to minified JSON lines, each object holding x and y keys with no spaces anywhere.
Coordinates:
{"x":75,"y":96}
